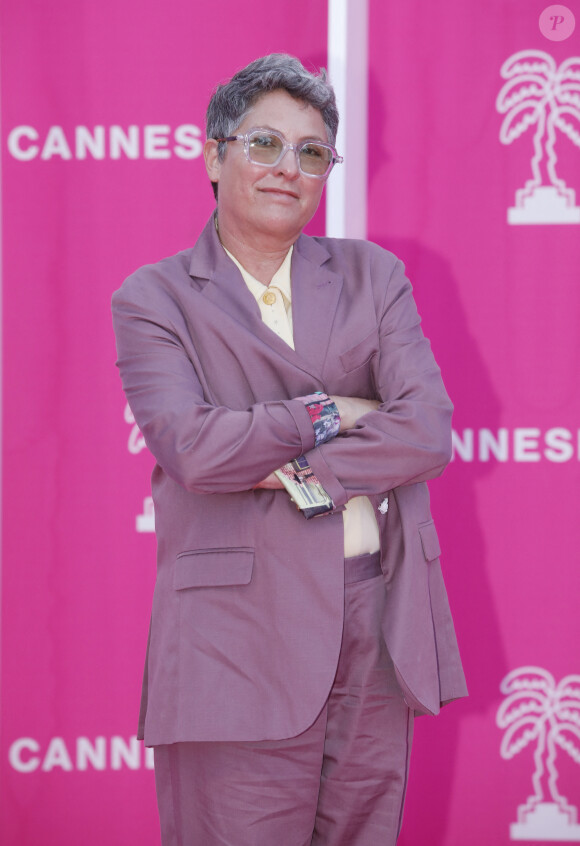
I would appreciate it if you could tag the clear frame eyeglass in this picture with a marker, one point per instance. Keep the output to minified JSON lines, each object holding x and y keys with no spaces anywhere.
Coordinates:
{"x":267,"y":147}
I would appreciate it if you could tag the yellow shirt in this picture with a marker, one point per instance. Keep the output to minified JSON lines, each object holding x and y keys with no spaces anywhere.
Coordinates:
{"x":361,"y":533}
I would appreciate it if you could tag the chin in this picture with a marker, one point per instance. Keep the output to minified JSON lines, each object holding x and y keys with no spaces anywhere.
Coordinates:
{"x":284,"y":232}
{"x":276,"y":221}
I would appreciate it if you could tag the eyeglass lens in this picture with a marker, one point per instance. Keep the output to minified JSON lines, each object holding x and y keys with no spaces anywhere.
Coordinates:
{"x":267,"y":149}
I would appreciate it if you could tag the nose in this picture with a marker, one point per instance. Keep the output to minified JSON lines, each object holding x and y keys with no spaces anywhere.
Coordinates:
{"x":288,"y":164}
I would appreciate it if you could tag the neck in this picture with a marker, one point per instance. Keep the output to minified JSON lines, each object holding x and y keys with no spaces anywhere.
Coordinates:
{"x":261,"y":258}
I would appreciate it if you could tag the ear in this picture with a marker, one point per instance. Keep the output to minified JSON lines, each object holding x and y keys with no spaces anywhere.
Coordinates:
{"x":212,"y":163}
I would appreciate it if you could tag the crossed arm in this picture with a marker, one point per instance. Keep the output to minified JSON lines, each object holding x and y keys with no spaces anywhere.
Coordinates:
{"x":403,"y":438}
{"x":350,"y":410}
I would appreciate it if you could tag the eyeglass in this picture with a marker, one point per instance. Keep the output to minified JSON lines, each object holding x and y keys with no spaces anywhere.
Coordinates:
{"x":267,"y":147}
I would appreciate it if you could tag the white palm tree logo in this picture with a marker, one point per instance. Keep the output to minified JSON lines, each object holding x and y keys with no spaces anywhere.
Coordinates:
{"x":143,"y":522}
{"x":536,"y":709}
{"x":136,"y":440}
{"x":537,"y":92}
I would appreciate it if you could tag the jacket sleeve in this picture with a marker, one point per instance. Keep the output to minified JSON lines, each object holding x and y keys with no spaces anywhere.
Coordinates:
{"x":408,"y":438}
{"x":205,"y":448}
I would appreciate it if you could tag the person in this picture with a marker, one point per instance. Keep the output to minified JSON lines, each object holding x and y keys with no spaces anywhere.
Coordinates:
{"x":295,"y":412}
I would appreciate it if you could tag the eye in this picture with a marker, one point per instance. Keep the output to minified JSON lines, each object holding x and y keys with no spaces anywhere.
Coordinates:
{"x":264,"y":140}
{"x":313,"y":151}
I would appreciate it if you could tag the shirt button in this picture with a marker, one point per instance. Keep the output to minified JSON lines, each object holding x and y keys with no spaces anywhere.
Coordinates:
{"x":269,"y":298}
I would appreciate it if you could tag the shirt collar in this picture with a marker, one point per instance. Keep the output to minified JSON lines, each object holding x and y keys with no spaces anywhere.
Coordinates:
{"x":281,"y":279}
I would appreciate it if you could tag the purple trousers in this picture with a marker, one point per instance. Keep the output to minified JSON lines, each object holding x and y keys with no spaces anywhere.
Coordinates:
{"x":340,"y":783}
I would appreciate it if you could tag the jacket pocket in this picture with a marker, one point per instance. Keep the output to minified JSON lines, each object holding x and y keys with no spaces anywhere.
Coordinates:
{"x":213,"y":567}
{"x":429,"y":541}
{"x":361,"y":353}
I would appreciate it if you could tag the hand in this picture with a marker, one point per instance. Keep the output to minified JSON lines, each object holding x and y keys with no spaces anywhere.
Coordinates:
{"x":271,"y":483}
{"x":351,"y":409}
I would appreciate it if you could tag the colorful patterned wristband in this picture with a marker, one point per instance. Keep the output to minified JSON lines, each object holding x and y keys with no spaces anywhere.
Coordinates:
{"x":324,"y":416}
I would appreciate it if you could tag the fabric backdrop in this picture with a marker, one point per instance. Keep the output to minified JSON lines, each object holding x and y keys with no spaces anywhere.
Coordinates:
{"x":472,"y":185}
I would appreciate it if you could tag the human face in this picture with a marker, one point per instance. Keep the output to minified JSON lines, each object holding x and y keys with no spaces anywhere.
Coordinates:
{"x":268,"y":206}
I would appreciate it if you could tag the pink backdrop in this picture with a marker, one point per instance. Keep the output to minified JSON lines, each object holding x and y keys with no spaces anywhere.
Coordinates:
{"x":81,"y":208}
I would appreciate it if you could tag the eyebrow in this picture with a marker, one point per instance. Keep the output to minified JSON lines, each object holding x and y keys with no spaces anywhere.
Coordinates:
{"x":279,"y":131}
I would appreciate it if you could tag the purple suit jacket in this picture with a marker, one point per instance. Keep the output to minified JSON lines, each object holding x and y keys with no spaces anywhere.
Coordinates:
{"x":248,"y":605}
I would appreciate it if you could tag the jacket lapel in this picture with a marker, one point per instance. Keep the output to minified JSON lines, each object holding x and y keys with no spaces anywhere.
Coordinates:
{"x":219,"y":280}
{"x":315,"y":295}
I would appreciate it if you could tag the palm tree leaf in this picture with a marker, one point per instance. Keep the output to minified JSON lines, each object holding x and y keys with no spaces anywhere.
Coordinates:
{"x":570,"y":685}
{"x":568,"y":711}
{"x":567,"y":736}
{"x":567,"y":119}
{"x":528,"y":61}
{"x":568,"y":92}
{"x":517,"y":121}
{"x":518,"y":736}
{"x":570,"y":68}
{"x":525,"y":86}
{"x":523,"y":703}
{"x":528,"y":678}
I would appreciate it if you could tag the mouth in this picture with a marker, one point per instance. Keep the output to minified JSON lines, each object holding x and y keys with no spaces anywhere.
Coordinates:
{"x":280,"y":192}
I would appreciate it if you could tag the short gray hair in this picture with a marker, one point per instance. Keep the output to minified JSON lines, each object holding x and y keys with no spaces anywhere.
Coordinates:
{"x":231,"y":102}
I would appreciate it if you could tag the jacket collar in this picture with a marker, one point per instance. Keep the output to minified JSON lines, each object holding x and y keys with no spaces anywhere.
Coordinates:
{"x":208,"y":257}
{"x":315,"y":294}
